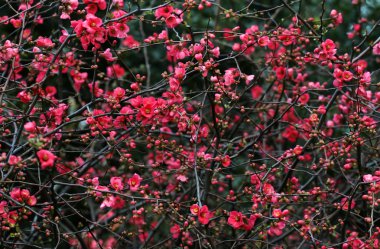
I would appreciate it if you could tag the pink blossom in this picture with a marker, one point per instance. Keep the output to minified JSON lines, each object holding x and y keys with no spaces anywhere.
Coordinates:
{"x":107,"y":55}
{"x":204,"y":215}
{"x":164,"y":12}
{"x":336,"y":16}
{"x":44,"y":42}
{"x":13,"y":160}
{"x":134,"y":182}
{"x":172,"y":21}
{"x":117,"y":183}
{"x":99,"y":3}
{"x":118,"y":93}
{"x":367,"y":178}
{"x":376,"y":49}
{"x":23,"y":196}
{"x":109,"y":201}
{"x":256,"y":92}
{"x":263,"y":41}
{"x":175,"y":230}
{"x":46,"y":158}
{"x":182,"y":178}
{"x":194,"y":209}
{"x":226,"y":161}
{"x":236,"y":219}
{"x":276,"y":228}
{"x":30,"y":127}
{"x":347,"y":75}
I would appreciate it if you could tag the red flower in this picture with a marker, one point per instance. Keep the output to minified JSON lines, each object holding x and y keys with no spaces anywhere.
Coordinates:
{"x":44,"y":42}
{"x":336,"y":17}
{"x":92,"y":23}
{"x":134,"y":182}
{"x":249,"y":223}
{"x":23,"y":196}
{"x":172,"y":21}
{"x":276,"y":228}
{"x":376,"y":49}
{"x":107,"y":55}
{"x":226,"y":161}
{"x":304,"y":98}
{"x":147,"y":110}
{"x":268,"y":189}
{"x":263,"y":41}
{"x":236,"y":219}
{"x":328,"y":47}
{"x":115,"y":71}
{"x":118,"y":93}
{"x":194,"y":209}
{"x":298,"y":150}
{"x":175,"y":231}
{"x":100,"y":3}
{"x":280,"y":73}
{"x":164,"y":12}
{"x":116,"y":183}
{"x":276,"y":213}
{"x":291,"y":134}
{"x":204,"y":215}
{"x":46,"y":158}
{"x":347,"y":75}
{"x":130,"y":42}
{"x":256,"y":92}
{"x":24,"y":96}
{"x":13,"y":160}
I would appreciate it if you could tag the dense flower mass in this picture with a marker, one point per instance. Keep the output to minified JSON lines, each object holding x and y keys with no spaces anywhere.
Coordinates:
{"x":189,"y":124}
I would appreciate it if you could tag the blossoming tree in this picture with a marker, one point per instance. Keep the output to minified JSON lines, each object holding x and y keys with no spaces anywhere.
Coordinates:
{"x":189,"y":124}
